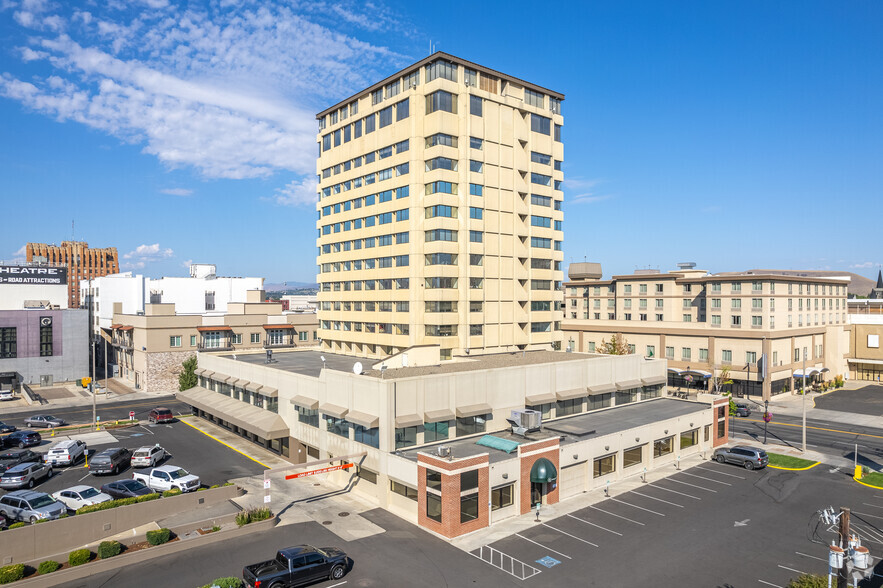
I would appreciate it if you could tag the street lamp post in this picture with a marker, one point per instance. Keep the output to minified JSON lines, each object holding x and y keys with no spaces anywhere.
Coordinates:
{"x":803,"y":436}
{"x":92,"y":340}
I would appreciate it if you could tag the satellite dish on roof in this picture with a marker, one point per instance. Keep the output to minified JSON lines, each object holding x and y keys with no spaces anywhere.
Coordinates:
{"x":357,"y":368}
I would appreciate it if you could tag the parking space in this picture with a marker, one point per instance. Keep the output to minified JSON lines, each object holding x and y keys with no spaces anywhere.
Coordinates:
{"x":710,"y":525}
{"x":190,"y":449}
{"x":865,"y":400}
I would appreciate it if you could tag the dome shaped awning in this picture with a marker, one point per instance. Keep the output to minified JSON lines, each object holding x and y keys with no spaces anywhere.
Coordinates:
{"x":543,"y":471}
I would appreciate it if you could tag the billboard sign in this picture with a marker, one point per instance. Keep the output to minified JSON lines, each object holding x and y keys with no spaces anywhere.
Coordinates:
{"x":26,"y":274}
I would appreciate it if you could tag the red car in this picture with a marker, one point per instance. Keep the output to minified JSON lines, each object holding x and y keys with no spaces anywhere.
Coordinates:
{"x":160,"y":415}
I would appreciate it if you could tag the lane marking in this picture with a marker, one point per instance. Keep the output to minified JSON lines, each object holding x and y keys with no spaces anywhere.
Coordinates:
{"x":617,"y":516}
{"x":874,"y":505}
{"x":543,"y":546}
{"x":659,"y":499}
{"x":869,"y":515}
{"x":780,"y":442}
{"x":812,"y":556}
{"x":265,"y":466}
{"x":594,"y":525}
{"x":688,"y":484}
{"x":821,"y":429}
{"x":569,"y":535}
{"x":148,"y":430}
{"x":792,"y":570}
{"x":636,"y":506}
{"x":676,"y":492}
{"x":338,"y":584}
{"x":769,"y":583}
{"x":707,"y":479}
{"x":719,"y":472}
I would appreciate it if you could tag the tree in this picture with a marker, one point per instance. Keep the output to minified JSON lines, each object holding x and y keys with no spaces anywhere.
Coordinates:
{"x":187,"y":378}
{"x":809,"y":581}
{"x":722,"y":379}
{"x":616,"y":346}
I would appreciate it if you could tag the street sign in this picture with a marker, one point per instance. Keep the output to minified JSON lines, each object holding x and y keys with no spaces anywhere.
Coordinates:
{"x":267,"y":484}
{"x":267,"y":498}
{"x":131,"y":415}
{"x":321,"y":471}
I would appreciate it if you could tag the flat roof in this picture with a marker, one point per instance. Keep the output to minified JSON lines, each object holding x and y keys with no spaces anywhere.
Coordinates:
{"x":572,"y":429}
{"x":307,"y":363}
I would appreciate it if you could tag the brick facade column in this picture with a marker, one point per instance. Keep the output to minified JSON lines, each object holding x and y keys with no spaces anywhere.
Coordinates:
{"x":451,"y":471}
{"x":528,"y":454}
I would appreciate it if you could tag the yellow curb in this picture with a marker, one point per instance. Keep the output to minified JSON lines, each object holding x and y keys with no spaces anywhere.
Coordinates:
{"x":822,"y":394}
{"x":225,"y":444}
{"x":794,"y":469}
{"x":868,"y":485}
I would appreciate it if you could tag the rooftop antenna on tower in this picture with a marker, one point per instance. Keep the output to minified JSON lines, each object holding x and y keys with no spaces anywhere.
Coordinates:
{"x":73,"y":233}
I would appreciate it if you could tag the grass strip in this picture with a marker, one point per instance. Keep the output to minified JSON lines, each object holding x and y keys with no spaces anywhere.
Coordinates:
{"x":788,"y":462}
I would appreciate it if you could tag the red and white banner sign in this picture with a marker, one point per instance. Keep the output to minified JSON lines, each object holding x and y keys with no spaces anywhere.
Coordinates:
{"x":321,"y":471}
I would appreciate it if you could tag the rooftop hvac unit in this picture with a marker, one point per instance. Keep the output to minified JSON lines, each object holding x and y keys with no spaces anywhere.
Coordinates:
{"x":443,"y":451}
{"x":525,"y":421}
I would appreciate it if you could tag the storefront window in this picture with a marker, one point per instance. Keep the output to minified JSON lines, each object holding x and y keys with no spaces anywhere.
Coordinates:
{"x":663,"y":446}
{"x":597,"y":401}
{"x":406,"y":437}
{"x":308,"y":416}
{"x":605,"y":465}
{"x":367,"y":436}
{"x":566,"y":407}
{"x":272,"y":404}
{"x":404,"y":490}
{"x":689,"y":438}
{"x":433,"y":507}
{"x":433,"y":480}
{"x":501,"y":497}
{"x":633,"y":456}
{"x":626,"y":396}
{"x":545,"y":409}
{"x":470,"y":425}
{"x":651,"y":392}
{"x":435,"y":431}
{"x":468,"y":508}
{"x":337,"y":426}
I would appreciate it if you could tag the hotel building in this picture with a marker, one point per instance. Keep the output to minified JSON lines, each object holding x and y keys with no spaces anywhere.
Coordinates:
{"x":82,"y":263}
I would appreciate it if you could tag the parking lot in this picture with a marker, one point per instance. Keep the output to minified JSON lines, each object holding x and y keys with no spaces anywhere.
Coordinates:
{"x":711,"y":525}
{"x":865,"y":400}
{"x":190,"y":449}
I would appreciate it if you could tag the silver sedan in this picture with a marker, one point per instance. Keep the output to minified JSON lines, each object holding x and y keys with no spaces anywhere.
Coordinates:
{"x":44,"y":420}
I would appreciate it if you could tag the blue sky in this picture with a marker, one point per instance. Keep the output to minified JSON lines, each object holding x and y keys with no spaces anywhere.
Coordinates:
{"x":733,"y":134}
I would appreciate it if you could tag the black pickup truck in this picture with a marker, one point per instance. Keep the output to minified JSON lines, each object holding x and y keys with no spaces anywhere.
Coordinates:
{"x":297,"y":565}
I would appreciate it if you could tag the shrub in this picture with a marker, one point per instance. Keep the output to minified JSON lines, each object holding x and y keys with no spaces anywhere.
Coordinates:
{"x":12,"y":573}
{"x":16,"y":525}
{"x":78,"y":557}
{"x":253,"y":515}
{"x":116,"y":503}
{"x":48,"y":566}
{"x":229,"y":582}
{"x":158,"y":537}
{"x":809,"y":581}
{"x":215,"y":529}
{"x":109,"y":549}
{"x":172,"y":492}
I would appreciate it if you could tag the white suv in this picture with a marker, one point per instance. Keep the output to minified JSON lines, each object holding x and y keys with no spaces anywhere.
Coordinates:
{"x":66,"y":452}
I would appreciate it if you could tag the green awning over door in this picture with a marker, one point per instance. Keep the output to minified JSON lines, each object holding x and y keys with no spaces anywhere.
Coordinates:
{"x":543,"y":471}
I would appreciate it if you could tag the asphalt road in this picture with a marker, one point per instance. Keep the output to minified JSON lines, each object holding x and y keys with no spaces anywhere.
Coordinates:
{"x":865,"y":400}
{"x":832,"y":438}
{"x":107,"y":411}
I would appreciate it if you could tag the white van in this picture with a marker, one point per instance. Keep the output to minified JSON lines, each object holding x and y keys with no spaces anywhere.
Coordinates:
{"x":66,"y":452}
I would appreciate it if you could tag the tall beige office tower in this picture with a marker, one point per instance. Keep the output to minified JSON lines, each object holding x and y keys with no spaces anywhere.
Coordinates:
{"x":440,"y":213}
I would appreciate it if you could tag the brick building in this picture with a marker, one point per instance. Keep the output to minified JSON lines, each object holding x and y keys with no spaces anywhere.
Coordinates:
{"x":81,"y":261}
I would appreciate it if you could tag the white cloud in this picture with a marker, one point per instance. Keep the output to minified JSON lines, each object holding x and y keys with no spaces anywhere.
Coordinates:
{"x":177,"y":191}
{"x":187,"y":263}
{"x":19,"y":256}
{"x":863,"y":265}
{"x":297,"y":193}
{"x":230,"y":91}
{"x":586,"y":193}
{"x":144,"y":254}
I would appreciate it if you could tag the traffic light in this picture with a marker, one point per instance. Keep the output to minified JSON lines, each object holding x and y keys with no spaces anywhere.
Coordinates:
{"x":84,"y":382}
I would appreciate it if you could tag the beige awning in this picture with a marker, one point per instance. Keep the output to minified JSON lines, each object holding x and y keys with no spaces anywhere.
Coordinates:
{"x":252,"y":387}
{"x":305,"y":402}
{"x":269,"y":392}
{"x":261,"y":422}
{"x":369,"y":421}
{"x":338,"y":412}
{"x":544,"y":398}
{"x":571,"y":394}
{"x":654,"y":380}
{"x":208,"y":374}
{"x":628,"y":384}
{"x":240,"y":383}
{"x":473,"y":410}
{"x":601,"y":389}
{"x":408,"y":420}
{"x":437,"y":416}
{"x":223,"y":378}
{"x":200,"y":371}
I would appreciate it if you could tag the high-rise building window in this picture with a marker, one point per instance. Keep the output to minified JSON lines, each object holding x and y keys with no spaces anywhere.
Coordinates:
{"x":475,"y":105}
{"x":441,"y":69}
{"x":540,"y":124}
{"x":45,"y":336}
{"x":441,"y":100}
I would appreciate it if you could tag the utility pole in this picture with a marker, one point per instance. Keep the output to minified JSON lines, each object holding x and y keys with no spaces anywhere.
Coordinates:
{"x":804,"y":400}
{"x":842,"y":573}
{"x":92,"y":341}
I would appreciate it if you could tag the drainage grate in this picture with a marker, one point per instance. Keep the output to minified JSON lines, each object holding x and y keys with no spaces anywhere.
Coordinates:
{"x":343,"y":514}
{"x":326,"y":522}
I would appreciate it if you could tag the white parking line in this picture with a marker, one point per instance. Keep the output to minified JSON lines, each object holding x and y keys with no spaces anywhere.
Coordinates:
{"x":719,"y":472}
{"x":569,"y":535}
{"x":811,"y":556}
{"x":543,"y":546}
{"x":617,"y":516}
{"x":148,"y":430}
{"x":707,"y":479}
{"x":864,"y":533}
{"x":769,"y":583}
{"x":84,"y":477}
{"x":675,"y":492}
{"x":874,"y":505}
{"x":594,"y":525}
{"x":688,"y":484}
{"x":636,"y":506}
{"x":864,"y":514}
{"x":659,"y":499}
{"x":338,"y":584}
{"x":792,"y":570}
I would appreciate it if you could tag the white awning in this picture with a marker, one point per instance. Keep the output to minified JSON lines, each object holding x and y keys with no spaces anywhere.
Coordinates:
{"x":369,"y":421}
{"x":540,"y":398}
{"x":601,"y":389}
{"x":674,"y":371}
{"x":809,"y":372}
{"x":696,"y":373}
{"x":305,"y":402}
{"x":408,"y":420}
{"x":867,"y":361}
{"x":437,"y":416}
{"x":628,"y":385}
{"x":473,"y":410}
{"x":571,"y":394}
{"x":654,"y":380}
{"x":337,"y":412}
{"x":263,"y":423}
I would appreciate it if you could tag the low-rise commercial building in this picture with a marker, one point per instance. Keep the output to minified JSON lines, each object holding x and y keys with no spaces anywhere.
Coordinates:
{"x":438,"y":448}
{"x":866,"y":330}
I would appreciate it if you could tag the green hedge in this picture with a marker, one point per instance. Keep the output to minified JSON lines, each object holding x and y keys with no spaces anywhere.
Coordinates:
{"x":16,"y":525}
{"x":809,"y":581}
{"x":48,"y":566}
{"x":12,"y":573}
{"x":78,"y":557}
{"x":115,"y":503}
{"x":172,"y":492}
{"x":253,"y":515}
{"x":158,"y":537}
{"x":109,"y":549}
{"x":228,"y":582}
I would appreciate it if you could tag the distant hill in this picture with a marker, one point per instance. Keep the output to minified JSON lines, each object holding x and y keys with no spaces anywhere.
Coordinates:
{"x":289,"y":286}
{"x":858,"y":285}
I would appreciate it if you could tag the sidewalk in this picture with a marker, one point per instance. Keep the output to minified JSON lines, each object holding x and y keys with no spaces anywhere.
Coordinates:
{"x":78,"y":397}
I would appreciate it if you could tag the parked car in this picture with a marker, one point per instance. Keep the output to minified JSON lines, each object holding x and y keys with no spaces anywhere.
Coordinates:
{"x":79,"y":496}
{"x":148,"y":456}
{"x":22,"y":439}
{"x":66,"y":452}
{"x":17,"y":456}
{"x":29,"y":506}
{"x":747,"y":457}
{"x":4,"y":522}
{"x":160,"y":415}
{"x":126,"y":489}
{"x":742,"y":409}
{"x":7,"y":395}
{"x":168,"y":477}
{"x":110,"y":461}
{"x":297,"y":565}
{"x":4,"y":428}
{"x":25,"y":474}
{"x":44,"y":420}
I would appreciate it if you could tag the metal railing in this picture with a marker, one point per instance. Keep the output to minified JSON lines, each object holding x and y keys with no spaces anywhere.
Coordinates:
{"x":33,"y":396}
{"x":506,"y":563}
